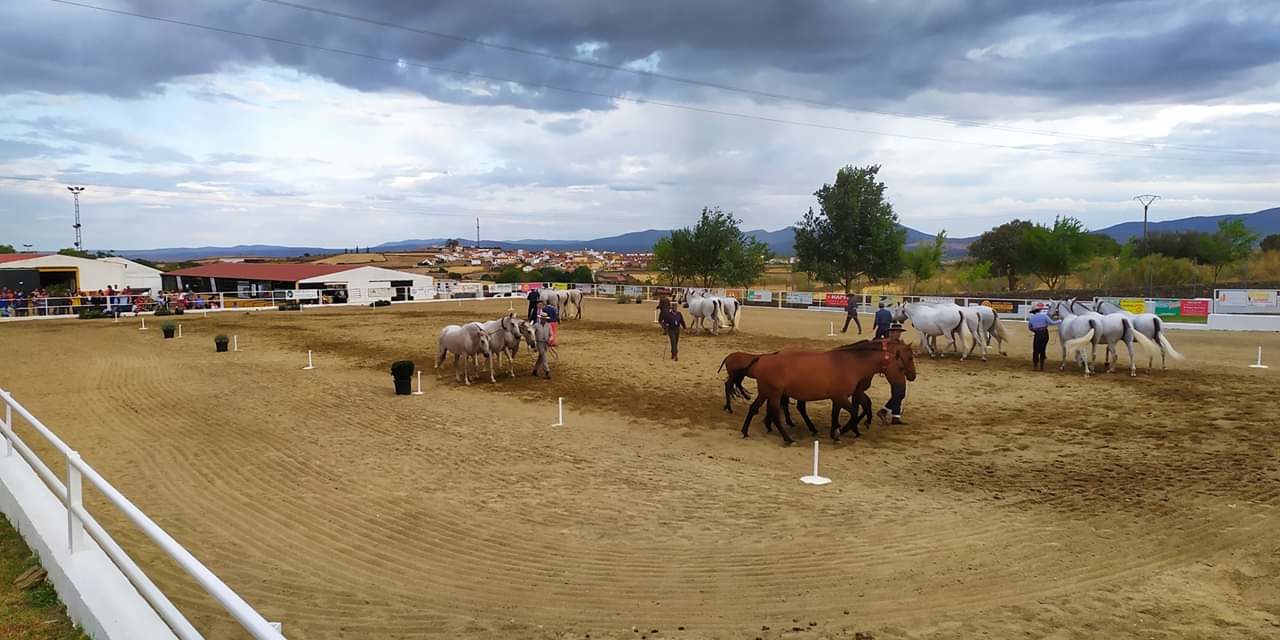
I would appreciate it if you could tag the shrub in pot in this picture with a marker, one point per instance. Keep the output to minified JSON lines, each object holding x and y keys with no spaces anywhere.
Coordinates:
{"x":623,"y":298}
{"x":169,"y":329}
{"x":91,"y":314}
{"x":177,"y":311}
{"x":221,"y":342}
{"x":402,"y":373}
{"x":163,"y":311}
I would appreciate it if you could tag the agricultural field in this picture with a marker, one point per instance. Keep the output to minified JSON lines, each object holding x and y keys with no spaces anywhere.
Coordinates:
{"x":1012,"y":504}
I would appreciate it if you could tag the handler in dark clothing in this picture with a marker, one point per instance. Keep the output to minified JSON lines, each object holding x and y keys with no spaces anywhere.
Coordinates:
{"x":672,"y":322}
{"x":533,"y":304}
{"x":851,"y":312}
{"x":884,"y":318}
{"x":892,"y":411}
{"x":1039,"y":323}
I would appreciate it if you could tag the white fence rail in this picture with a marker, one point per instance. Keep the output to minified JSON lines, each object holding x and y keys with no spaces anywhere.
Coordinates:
{"x":80,"y":521}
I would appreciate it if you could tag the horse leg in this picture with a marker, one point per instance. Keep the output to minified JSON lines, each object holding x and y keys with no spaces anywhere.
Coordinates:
{"x":804,"y":414}
{"x":1062,"y":342}
{"x":866,"y":407}
{"x":786,"y":411}
{"x":728,"y":391}
{"x":772,"y":414}
{"x":444,"y":353}
{"x":751,"y":413}
{"x":839,"y":403}
{"x":1133,"y":367}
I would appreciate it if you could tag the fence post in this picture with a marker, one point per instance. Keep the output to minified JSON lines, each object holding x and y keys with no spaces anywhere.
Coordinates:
{"x":75,"y":499}
{"x":8,"y":423}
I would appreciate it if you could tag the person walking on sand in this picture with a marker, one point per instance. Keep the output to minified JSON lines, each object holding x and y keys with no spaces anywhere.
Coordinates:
{"x":533,"y":304}
{"x":883,"y":322}
{"x":851,"y":312}
{"x":672,"y":322}
{"x":891,"y":413}
{"x":1039,"y":323}
{"x":542,"y":342}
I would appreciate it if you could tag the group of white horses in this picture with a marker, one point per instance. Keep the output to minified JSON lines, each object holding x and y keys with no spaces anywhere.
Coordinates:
{"x":501,"y":337}
{"x":710,"y":312}
{"x":561,"y":299}
{"x":1082,"y":328}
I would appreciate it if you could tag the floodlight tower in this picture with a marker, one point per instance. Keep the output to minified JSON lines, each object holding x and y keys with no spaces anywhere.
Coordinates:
{"x":75,"y":193}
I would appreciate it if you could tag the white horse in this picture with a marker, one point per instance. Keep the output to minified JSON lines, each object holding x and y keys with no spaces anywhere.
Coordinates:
{"x":729,"y":313}
{"x":468,"y":340}
{"x":561,"y":299}
{"x":973,"y":322}
{"x":1074,"y":332}
{"x":990,"y":326}
{"x":504,"y":336}
{"x":575,"y":299}
{"x":1149,"y":325}
{"x":933,"y":321}
{"x":1113,"y":329}
{"x":704,"y":308}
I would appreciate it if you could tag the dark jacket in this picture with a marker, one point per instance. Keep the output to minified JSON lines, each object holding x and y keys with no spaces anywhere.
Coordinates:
{"x":851,"y":305}
{"x":884,"y":318}
{"x":533,"y":295}
{"x":671,"y":318}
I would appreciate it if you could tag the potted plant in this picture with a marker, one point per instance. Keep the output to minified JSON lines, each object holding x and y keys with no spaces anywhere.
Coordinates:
{"x":177,"y":311}
{"x":402,"y":372}
{"x":163,"y":311}
{"x":221,"y":342}
{"x":169,"y":329}
{"x":622,"y":298}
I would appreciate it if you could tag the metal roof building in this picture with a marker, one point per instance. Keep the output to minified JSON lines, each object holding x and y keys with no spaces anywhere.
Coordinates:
{"x":350,"y":282}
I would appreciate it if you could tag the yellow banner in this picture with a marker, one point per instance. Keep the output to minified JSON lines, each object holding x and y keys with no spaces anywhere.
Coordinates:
{"x":559,"y":285}
{"x":1133,"y":305}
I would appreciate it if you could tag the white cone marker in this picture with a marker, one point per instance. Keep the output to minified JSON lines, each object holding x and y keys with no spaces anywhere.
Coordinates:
{"x":560,"y":422}
{"x":117,"y":320}
{"x":144,"y":324}
{"x":179,"y":329}
{"x":419,"y":391}
{"x":832,"y":331}
{"x":815,"y":479}
{"x":235,"y":343}
{"x":309,"y":364}
{"x":1259,"y":364}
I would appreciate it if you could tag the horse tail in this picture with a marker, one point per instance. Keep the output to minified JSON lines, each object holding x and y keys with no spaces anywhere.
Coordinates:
{"x":1166,"y":345}
{"x":959,"y":329}
{"x":1141,"y":338}
{"x":746,"y":371}
{"x":726,"y":359}
{"x":578,"y":303}
{"x":717,"y":312}
{"x":737,"y":314}
{"x":1078,"y":343}
{"x":997,"y":328}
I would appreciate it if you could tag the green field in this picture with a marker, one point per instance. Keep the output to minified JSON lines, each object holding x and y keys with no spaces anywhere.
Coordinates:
{"x":34,"y":614}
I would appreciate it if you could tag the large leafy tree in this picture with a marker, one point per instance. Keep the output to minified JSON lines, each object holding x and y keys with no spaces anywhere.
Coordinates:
{"x":1053,"y":253}
{"x":1232,"y":243}
{"x":854,"y":234}
{"x":924,"y":260}
{"x":75,"y":253}
{"x":582,"y":275}
{"x":1002,"y":247}
{"x":714,"y":251}
{"x":7,"y":248}
{"x":1269,"y":243}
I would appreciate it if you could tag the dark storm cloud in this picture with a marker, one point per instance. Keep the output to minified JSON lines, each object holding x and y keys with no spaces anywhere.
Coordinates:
{"x":864,"y":53}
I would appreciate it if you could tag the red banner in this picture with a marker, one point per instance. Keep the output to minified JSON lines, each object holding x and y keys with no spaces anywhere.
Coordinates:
{"x":530,"y":286}
{"x":835,"y":300}
{"x":1191,"y":308}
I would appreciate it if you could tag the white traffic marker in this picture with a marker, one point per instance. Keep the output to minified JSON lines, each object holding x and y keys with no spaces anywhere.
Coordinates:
{"x":1259,"y":364}
{"x":235,"y":343}
{"x":144,"y":324}
{"x":560,"y":422}
{"x":815,"y":478}
{"x":832,"y":331}
{"x":419,"y":391}
{"x":179,"y":329}
{"x":309,"y":364}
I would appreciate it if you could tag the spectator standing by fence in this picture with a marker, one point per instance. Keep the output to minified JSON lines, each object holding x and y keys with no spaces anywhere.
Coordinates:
{"x":1039,"y":323}
{"x":851,"y":313}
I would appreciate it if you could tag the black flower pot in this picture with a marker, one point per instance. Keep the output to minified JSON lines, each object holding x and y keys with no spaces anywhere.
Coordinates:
{"x":404,"y":387}
{"x":169,"y":333}
{"x":222,"y":346}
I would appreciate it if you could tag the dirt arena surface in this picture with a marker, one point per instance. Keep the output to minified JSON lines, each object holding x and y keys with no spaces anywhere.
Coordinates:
{"x":1013,"y":505}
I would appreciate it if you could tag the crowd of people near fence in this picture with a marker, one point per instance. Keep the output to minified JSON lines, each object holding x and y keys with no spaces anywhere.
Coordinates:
{"x":109,"y":301}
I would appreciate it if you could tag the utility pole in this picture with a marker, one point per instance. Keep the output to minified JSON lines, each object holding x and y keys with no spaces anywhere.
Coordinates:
{"x":75,"y":193}
{"x":1146,"y":200}
{"x":477,"y":233}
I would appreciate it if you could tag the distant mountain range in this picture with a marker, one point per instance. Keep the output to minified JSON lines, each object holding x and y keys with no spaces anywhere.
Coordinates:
{"x":780,"y":242}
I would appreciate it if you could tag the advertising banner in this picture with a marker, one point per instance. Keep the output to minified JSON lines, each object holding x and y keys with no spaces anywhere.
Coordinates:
{"x":818,"y":298}
{"x":560,"y":286}
{"x":302,"y":294}
{"x":530,"y":286}
{"x":633,"y":291}
{"x":606,"y":289}
{"x":1262,"y":298}
{"x":936,"y":299}
{"x":799,"y":297}
{"x":835,"y":300}
{"x":422,"y":293}
{"x":381,"y":293}
{"x":501,"y":288}
{"x":585,"y":288}
{"x":759,"y":295}
{"x":1167,"y":308}
{"x":1133,"y":305}
{"x":1001,"y":306}
{"x":1196,"y":308}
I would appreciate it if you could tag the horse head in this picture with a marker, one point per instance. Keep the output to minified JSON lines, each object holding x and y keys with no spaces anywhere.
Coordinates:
{"x":907,"y":360}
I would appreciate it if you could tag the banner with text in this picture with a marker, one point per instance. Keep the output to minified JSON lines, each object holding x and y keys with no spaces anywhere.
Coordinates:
{"x":799,"y":297}
{"x":606,"y":289}
{"x":759,"y":295}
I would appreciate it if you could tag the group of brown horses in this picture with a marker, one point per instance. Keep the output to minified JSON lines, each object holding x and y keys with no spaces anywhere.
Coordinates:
{"x":841,"y":375}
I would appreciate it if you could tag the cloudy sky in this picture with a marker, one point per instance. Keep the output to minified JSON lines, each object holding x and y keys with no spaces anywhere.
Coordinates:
{"x":264,"y":121}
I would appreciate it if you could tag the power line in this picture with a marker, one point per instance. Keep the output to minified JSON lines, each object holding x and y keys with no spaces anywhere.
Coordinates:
{"x":607,"y":96}
{"x":755,"y":92}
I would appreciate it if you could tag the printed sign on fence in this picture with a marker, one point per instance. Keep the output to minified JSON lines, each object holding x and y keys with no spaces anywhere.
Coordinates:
{"x":759,"y":295}
{"x":530,"y":286}
{"x":936,"y":299}
{"x":799,"y":297}
{"x":560,"y":286}
{"x":835,"y":300}
{"x":1001,"y":306}
{"x":606,"y":289}
{"x":302,"y":294}
{"x":1166,"y":308}
{"x":381,"y":293}
{"x":1197,"y":308}
{"x":1133,"y":305}
{"x":501,"y":288}
{"x":585,"y":288}
{"x":422,"y":293}
{"x":1262,"y":298}
{"x":633,"y":291}
{"x":1233,"y":298}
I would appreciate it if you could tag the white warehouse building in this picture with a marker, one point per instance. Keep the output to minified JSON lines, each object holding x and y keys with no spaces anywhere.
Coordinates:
{"x":30,"y":271}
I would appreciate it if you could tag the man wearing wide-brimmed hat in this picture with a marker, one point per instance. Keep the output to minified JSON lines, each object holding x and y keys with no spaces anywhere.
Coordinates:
{"x":892,"y":411}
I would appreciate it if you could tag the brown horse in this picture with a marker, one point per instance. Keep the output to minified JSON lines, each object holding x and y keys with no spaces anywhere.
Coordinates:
{"x":833,"y":375}
{"x":737,"y":366}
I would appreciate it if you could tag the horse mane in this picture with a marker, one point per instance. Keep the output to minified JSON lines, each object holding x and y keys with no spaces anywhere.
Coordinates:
{"x":862,"y":345}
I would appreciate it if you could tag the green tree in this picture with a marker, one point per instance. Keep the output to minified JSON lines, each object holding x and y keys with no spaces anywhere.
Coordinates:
{"x":582,"y":275}
{"x":7,"y":248}
{"x":451,"y":243}
{"x":715,"y":251}
{"x":510,"y":273}
{"x":972,"y":274}
{"x":1269,"y":243}
{"x":1053,"y":253}
{"x":1232,"y":243}
{"x":1002,"y":247}
{"x":924,"y":260}
{"x":854,"y":234}
{"x":75,"y":253}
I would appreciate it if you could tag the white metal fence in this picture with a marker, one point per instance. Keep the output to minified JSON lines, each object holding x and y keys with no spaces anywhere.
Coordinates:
{"x":80,"y":522}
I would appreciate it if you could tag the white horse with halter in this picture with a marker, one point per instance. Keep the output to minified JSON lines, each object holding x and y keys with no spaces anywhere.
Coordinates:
{"x":1149,"y":325}
{"x":468,"y":340}
{"x":990,"y":327}
{"x":1074,"y":332}
{"x":704,"y":307}
{"x":504,"y":336}
{"x":933,"y":321}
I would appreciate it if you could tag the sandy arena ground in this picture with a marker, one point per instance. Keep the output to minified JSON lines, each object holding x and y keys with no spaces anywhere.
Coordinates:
{"x":1015,"y":504}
